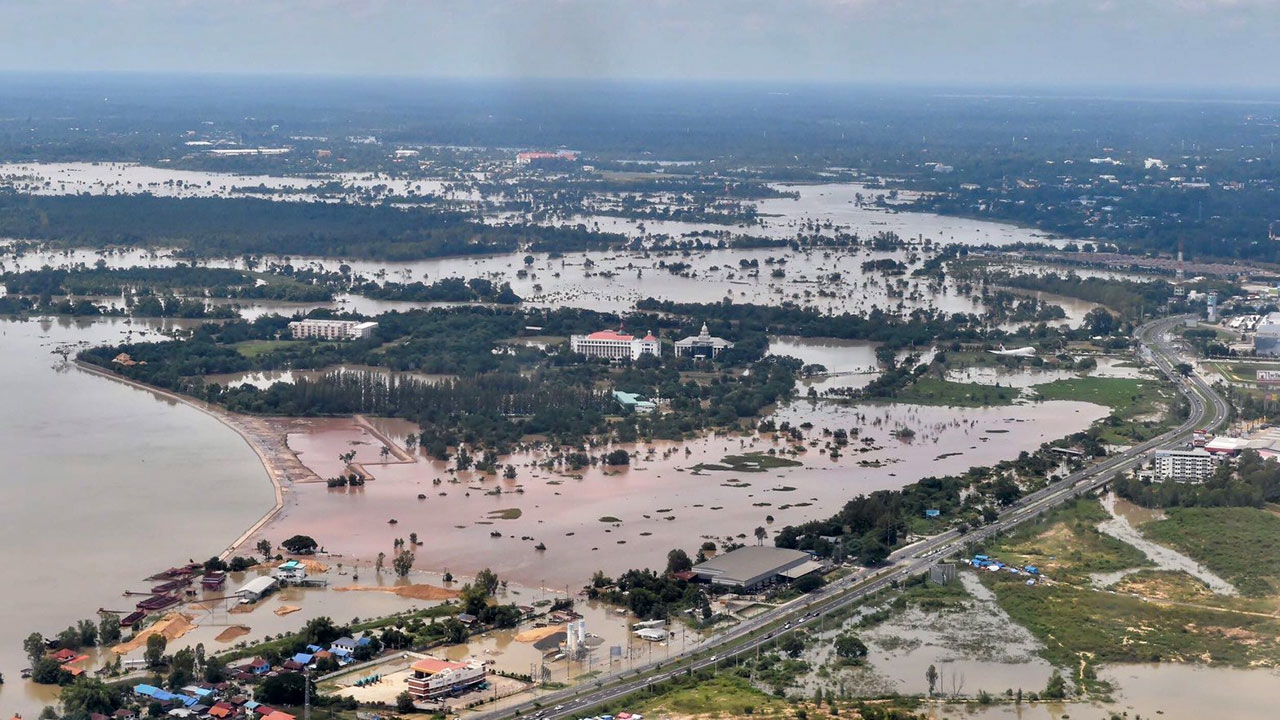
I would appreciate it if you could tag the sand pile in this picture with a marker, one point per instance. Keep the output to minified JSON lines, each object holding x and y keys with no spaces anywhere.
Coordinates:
{"x":233,"y":632}
{"x":412,"y":592}
{"x":286,"y":609}
{"x":312,"y":565}
{"x":172,"y":627}
{"x":535,"y":634}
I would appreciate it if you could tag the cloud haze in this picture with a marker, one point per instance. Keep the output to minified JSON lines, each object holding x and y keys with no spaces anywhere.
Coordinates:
{"x":1082,"y":42}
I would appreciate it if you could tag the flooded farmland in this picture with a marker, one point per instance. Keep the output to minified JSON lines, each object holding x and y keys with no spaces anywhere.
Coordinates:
{"x":612,"y":519}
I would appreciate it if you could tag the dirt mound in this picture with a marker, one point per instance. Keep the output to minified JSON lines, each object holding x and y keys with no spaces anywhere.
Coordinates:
{"x":172,"y":627}
{"x":233,"y":632}
{"x":312,"y":565}
{"x":536,"y":634}
{"x":286,"y":609}
{"x":413,"y":592}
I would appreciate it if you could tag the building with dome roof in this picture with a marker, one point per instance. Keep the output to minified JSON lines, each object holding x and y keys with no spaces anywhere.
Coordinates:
{"x":702,"y":345}
{"x":615,"y":345}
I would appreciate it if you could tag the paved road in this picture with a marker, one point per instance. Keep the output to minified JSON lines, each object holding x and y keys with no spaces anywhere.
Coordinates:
{"x":1207,"y":410}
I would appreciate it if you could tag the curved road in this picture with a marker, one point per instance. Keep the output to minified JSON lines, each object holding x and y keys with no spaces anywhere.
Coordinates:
{"x":1207,"y":410}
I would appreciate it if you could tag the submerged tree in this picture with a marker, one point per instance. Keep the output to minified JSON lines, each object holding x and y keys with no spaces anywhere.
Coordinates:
{"x":403,"y":563}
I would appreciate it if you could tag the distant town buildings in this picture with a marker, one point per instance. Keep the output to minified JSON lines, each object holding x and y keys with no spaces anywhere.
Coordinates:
{"x":332,"y":329}
{"x":702,"y":345}
{"x":1183,"y":465}
{"x":433,"y":678}
{"x":530,"y":158}
{"x":615,"y":345}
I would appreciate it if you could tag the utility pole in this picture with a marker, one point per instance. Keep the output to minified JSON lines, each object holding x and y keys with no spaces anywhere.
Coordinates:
{"x":306,"y":693}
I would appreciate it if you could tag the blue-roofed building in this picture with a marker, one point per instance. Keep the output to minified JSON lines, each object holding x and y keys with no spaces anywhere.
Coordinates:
{"x":931,"y":513}
{"x":146,"y":690}
{"x":363,"y":641}
{"x":345,"y":643}
{"x":303,"y":658}
{"x":314,"y":649}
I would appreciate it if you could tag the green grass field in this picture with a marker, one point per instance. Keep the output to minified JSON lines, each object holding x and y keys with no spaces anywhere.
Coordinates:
{"x":1115,"y":393}
{"x":933,"y":391}
{"x":723,"y":696}
{"x":1067,"y":545}
{"x":1240,"y":544}
{"x":254,"y":348}
{"x":1071,"y":621}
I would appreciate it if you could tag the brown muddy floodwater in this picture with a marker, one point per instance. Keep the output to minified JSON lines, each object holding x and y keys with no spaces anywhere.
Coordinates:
{"x":659,"y":502}
{"x":105,"y":485}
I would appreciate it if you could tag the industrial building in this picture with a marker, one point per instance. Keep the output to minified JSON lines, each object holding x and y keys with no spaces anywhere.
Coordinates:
{"x":702,"y":345}
{"x":433,"y":678}
{"x":615,"y":345}
{"x":256,"y":589}
{"x":1183,"y":465}
{"x":756,"y":567}
{"x":331,"y":329}
{"x":1266,"y":339}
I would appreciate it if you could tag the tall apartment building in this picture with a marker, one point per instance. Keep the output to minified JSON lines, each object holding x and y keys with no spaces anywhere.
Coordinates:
{"x":1183,"y":465}
{"x":615,"y":346}
{"x":331,"y":329}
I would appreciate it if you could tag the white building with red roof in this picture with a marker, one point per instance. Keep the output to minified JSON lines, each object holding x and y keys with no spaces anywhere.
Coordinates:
{"x":615,"y":345}
{"x":433,"y":678}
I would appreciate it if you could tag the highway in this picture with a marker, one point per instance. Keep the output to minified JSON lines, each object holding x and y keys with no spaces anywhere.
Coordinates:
{"x":1207,"y":410}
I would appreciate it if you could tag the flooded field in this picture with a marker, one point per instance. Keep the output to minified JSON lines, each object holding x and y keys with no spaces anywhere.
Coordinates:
{"x":1168,"y":691}
{"x":1125,"y":517}
{"x":612,"y":519}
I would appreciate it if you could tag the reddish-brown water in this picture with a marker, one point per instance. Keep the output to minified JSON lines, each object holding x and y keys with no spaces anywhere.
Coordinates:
{"x":660,"y":501}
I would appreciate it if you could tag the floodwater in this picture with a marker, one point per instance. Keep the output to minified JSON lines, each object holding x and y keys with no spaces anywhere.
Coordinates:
{"x":828,"y":206}
{"x":660,"y":501}
{"x":1165,"y":558}
{"x":1166,"y":691}
{"x":266,"y":378}
{"x":106,"y":484}
{"x":112,"y":178}
{"x":849,"y":363}
{"x":977,"y":647}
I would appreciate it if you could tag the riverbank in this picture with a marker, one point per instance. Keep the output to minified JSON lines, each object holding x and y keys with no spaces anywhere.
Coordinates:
{"x":278,"y":461}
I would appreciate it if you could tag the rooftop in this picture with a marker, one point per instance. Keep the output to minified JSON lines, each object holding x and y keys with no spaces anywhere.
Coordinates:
{"x":749,"y":562}
{"x":431,"y":666}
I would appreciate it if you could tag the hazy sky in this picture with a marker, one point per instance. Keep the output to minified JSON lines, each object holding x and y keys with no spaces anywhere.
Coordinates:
{"x":1167,"y":42}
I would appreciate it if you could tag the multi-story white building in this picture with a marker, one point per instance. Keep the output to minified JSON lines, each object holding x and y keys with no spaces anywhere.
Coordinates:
{"x":703,"y":344}
{"x":433,"y":678}
{"x":615,"y":346}
{"x":1183,"y":465}
{"x":331,"y":329}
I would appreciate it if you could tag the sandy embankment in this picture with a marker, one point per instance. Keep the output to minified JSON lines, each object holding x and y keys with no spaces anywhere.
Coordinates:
{"x":172,"y":627}
{"x":412,"y":592}
{"x":233,"y":632}
{"x":535,"y":634}
{"x":400,"y":454}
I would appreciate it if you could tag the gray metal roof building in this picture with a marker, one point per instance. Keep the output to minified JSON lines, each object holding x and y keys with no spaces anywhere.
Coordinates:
{"x":754,"y":566}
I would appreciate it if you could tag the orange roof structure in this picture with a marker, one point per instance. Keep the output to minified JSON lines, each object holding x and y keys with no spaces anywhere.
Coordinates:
{"x":431,"y":666}
{"x":610,"y":335}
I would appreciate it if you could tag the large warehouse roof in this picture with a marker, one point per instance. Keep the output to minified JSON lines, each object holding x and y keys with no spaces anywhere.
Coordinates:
{"x":741,"y":566}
